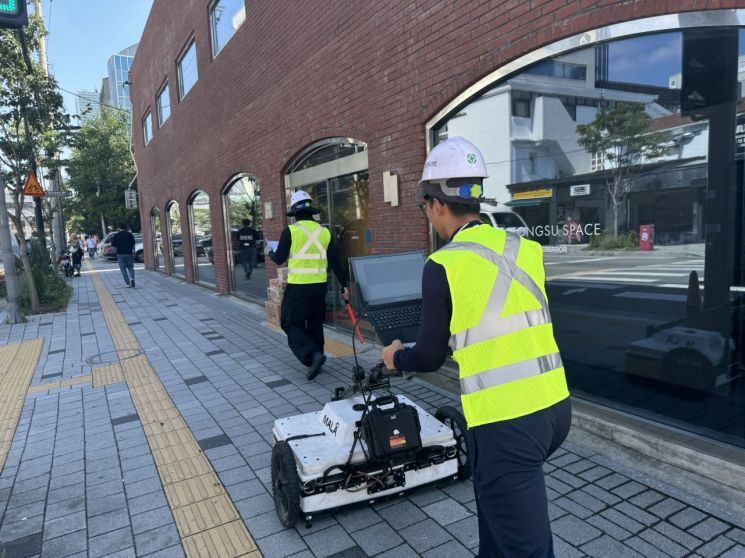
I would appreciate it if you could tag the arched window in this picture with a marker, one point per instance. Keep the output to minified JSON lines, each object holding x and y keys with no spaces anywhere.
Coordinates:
{"x":156,"y":240}
{"x":201,"y":238}
{"x":334,"y":172}
{"x":245,"y":237}
{"x":176,"y":252}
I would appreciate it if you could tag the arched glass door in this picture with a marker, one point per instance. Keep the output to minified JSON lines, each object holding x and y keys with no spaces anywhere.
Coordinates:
{"x":176,"y":252}
{"x":334,"y":172}
{"x":201,"y":239}
{"x":243,"y":216}
{"x":156,"y":241}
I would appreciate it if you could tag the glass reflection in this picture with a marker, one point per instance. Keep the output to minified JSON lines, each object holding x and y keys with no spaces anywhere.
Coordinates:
{"x":201,"y":239}
{"x":638,"y":208}
{"x":177,"y":243}
{"x":244,"y":211}
{"x":156,"y":241}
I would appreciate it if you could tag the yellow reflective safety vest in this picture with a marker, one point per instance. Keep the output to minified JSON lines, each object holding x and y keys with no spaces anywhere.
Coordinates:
{"x":501,"y":332}
{"x":308,"y":261}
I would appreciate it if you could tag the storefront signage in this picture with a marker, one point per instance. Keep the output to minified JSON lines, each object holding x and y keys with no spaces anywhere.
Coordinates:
{"x":740,"y":135}
{"x":532,"y":194}
{"x":579,"y":190}
{"x":571,"y":230}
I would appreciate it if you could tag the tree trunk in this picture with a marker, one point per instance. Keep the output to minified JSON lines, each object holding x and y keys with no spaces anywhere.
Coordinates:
{"x":33,"y":294}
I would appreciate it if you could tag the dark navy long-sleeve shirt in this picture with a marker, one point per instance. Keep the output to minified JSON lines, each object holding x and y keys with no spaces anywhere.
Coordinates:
{"x":431,"y":347}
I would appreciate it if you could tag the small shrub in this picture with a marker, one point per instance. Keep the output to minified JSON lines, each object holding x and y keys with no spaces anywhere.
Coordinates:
{"x":607,"y":241}
{"x":53,"y":291}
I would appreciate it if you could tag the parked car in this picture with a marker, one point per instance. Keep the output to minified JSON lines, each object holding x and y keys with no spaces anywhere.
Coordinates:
{"x":109,"y":252}
{"x":504,"y":218}
{"x":139,"y":250}
{"x":101,"y":249}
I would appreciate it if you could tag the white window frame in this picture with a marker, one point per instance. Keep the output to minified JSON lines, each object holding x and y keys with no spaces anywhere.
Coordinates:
{"x":192,"y":42}
{"x":148,"y":115}
{"x":159,"y":105}
{"x":216,"y":49}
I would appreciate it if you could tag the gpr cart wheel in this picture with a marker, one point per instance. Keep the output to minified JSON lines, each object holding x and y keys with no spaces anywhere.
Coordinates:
{"x":454,"y":419}
{"x":285,"y":484}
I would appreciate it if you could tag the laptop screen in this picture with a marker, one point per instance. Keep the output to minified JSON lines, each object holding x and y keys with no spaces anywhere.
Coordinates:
{"x":389,"y":277}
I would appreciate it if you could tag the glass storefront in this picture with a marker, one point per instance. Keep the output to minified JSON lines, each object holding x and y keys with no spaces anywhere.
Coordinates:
{"x":157,"y":241}
{"x":176,"y":252}
{"x":624,"y":159}
{"x":201,"y":239}
{"x":242,"y":202}
{"x":334,"y":173}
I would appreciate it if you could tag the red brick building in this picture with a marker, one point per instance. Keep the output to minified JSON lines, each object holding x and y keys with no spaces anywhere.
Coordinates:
{"x":344,"y":98}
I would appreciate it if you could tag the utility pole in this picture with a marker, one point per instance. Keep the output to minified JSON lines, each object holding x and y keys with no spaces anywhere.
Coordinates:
{"x":58,"y":223}
{"x":15,"y":316}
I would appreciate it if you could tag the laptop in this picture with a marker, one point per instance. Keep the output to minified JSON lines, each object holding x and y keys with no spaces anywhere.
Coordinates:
{"x":391,"y":290}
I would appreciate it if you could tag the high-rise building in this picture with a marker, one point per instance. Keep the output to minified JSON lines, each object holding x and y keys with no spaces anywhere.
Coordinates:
{"x":104,"y":97}
{"x":118,"y":78}
{"x":87,"y":105}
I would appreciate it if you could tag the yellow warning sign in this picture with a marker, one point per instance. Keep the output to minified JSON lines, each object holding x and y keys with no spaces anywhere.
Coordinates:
{"x":32,"y":187}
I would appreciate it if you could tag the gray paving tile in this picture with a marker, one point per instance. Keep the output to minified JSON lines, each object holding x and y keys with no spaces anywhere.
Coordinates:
{"x":109,"y":521}
{"x":575,"y":531}
{"x":63,"y":525}
{"x":715,"y":547}
{"x":157,"y":539}
{"x":329,"y":541}
{"x":282,"y":544}
{"x":264,"y":525}
{"x":446,"y":511}
{"x":734,"y":552}
{"x":29,"y":545}
{"x":402,"y":514}
{"x":22,"y":528}
{"x":666,"y":508}
{"x":256,"y":505}
{"x":708,"y":529}
{"x":354,"y":518}
{"x":151,"y":519}
{"x":377,"y":538}
{"x":605,"y":546}
{"x":65,"y":545}
{"x":466,"y":531}
{"x":425,"y":535}
{"x":110,"y":542}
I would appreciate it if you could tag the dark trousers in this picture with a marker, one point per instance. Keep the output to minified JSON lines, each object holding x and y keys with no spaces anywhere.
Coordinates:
{"x":127,"y":267}
{"x":507,"y":459}
{"x":247,"y":257}
{"x":302,"y":317}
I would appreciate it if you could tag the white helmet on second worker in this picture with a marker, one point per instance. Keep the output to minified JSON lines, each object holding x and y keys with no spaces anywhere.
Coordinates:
{"x":454,"y":171}
{"x":301,"y":201}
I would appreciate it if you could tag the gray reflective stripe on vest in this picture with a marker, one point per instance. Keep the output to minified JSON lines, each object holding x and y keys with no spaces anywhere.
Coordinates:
{"x":506,"y":263}
{"x":510,"y":373}
{"x":307,"y":270}
{"x":311,"y":241}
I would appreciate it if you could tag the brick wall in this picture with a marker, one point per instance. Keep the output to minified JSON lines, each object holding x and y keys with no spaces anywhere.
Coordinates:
{"x":297,"y":72}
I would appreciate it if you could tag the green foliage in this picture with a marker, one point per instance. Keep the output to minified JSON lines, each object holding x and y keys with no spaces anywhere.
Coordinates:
{"x":100,"y":170}
{"x":53,"y":291}
{"x":605,"y":241}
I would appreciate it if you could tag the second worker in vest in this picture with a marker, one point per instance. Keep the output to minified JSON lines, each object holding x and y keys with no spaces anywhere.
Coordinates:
{"x":308,"y":249}
{"x":484,"y":295}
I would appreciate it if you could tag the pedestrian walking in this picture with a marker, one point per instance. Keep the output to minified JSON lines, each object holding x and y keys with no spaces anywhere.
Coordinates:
{"x":124,"y":242}
{"x":484,"y":294}
{"x":247,"y":237}
{"x":309,"y":251}
{"x":91,"y":244}
{"x":76,"y":253}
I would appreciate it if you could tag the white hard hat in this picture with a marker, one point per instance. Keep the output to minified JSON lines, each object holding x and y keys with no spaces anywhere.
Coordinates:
{"x":301,"y":201}
{"x":454,"y":171}
{"x":454,"y":158}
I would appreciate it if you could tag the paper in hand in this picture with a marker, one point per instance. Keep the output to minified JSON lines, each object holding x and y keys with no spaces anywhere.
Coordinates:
{"x":272,"y":244}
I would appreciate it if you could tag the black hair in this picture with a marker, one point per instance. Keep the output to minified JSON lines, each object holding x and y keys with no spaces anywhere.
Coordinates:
{"x":122,"y":226}
{"x":460,"y":209}
{"x":246,"y":222}
{"x":303,"y":215}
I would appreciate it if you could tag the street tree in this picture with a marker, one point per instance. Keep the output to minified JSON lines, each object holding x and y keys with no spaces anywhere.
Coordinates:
{"x":621,"y":136}
{"x":99,"y":171}
{"x":32,"y":122}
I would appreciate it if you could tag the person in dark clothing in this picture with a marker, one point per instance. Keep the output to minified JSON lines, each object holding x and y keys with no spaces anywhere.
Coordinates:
{"x":309,"y":250}
{"x":76,"y":252}
{"x":124,"y":242}
{"x":484,"y":295}
{"x":247,"y":237}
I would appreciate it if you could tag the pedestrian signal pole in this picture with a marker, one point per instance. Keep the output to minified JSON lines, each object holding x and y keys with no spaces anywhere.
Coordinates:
{"x":13,"y":14}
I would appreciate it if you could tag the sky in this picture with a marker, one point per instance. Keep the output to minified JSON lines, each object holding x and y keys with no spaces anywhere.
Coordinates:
{"x":83,"y":34}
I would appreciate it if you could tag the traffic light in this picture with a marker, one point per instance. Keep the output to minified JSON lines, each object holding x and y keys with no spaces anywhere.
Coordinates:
{"x":13,"y":13}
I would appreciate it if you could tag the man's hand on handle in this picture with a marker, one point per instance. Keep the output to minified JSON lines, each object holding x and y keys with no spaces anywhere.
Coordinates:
{"x":389,"y":351}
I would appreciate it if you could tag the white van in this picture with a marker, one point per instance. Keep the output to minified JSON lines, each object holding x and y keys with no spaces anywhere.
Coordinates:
{"x":503,"y":217}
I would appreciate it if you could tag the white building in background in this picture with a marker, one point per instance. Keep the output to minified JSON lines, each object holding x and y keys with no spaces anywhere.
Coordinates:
{"x":87,"y":105}
{"x":118,"y":78}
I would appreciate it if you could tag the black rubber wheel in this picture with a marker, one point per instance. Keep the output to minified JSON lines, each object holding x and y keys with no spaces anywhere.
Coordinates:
{"x":285,"y":484}
{"x":140,"y":257}
{"x":454,"y":419}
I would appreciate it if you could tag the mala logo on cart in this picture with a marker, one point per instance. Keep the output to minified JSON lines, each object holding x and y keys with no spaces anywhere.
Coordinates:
{"x":332,"y":425}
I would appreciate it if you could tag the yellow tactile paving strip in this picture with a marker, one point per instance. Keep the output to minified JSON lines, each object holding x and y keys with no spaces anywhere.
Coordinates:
{"x":331,"y":346}
{"x":205,"y":516}
{"x":38,"y":388}
{"x":102,"y":376}
{"x":18,"y":362}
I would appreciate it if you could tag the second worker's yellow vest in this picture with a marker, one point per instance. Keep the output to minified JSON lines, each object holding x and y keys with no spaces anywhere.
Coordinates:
{"x":308,"y":261}
{"x":501,"y":332}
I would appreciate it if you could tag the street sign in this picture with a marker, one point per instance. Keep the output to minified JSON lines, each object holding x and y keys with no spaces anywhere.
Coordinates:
{"x":32,"y":187}
{"x":13,"y":14}
{"x":58,"y":194}
{"x":130,"y":199}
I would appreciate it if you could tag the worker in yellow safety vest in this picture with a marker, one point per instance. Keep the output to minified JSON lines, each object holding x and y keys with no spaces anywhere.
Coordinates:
{"x":484,"y":295}
{"x":309,"y":251}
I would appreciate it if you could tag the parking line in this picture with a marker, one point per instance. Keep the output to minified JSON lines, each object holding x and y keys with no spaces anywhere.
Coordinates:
{"x":206,"y":519}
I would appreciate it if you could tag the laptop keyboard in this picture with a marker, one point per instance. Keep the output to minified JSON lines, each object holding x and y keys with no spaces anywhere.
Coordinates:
{"x":402,"y":316}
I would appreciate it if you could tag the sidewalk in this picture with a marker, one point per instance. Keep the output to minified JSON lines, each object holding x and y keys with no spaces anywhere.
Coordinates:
{"x":138,"y":401}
